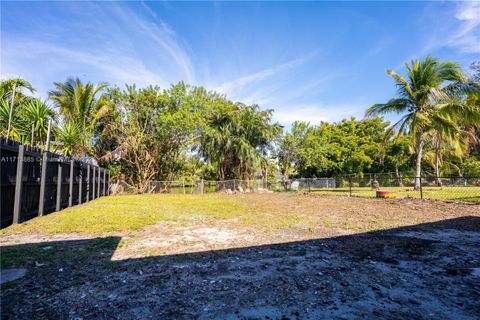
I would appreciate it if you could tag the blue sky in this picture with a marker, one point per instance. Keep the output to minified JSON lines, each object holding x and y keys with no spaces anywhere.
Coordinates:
{"x":309,"y":61}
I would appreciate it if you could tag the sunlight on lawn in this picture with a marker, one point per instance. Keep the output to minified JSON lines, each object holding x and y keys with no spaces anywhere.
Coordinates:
{"x":129,"y":213}
{"x":266,"y":212}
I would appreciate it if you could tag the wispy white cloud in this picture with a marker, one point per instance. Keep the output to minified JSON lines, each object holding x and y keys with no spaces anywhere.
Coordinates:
{"x":315,"y":113}
{"x":467,"y":37}
{"x":152,"y":13}
{"x":125,"y":69}
{"x":239,"y":83}
{"x":163,"y":36}
{"x":108,"y":49}
{"x":457,"y":27}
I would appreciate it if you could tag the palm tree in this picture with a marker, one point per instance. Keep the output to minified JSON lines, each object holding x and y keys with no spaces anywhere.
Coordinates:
{"x":444,"y":146}
{"x":235,"y":142}
{"x":6,"y":88}
{"x":37,"y":114}
{"x":17,"y":124}
{"x":68,"y":136}
{"x":79,"y":104}
{"x":15,"y":119}
{"x":429,"y":99}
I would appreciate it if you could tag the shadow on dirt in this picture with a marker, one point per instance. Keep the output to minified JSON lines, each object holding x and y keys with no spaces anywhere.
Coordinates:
{"x":426,"y":271}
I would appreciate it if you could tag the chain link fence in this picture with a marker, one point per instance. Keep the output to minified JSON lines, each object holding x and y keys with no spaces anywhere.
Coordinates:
{"x":453,"y":188}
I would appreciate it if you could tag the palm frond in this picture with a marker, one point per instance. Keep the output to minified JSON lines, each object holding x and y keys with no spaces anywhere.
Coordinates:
{"x":392,"y":106}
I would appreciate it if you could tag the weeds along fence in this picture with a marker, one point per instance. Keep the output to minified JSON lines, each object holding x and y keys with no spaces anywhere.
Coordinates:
{"x":235,"y":185}
{"x":464,"y":189}
{"x":34,"y":183}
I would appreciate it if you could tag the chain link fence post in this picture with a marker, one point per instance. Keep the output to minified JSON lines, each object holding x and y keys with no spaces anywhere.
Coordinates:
{"x":421,"y":188}
{"x":350,"y":184}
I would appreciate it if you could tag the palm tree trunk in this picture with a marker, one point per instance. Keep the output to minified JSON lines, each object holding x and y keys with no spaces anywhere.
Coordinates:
{"x":418,"y":166}
{"x":459,"y":170}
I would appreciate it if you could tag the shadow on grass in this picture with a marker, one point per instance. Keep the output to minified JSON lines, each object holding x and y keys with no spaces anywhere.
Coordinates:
{"x":470,"y":200}
{"x":428,"y":270}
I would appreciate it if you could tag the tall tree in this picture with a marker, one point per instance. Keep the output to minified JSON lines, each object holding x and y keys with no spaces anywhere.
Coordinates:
{"x":428,"y":98}
{"x":288,"y":147}
{"x":151,"y":133}
{"x":78,"y":103}
{"x":236,"y":139}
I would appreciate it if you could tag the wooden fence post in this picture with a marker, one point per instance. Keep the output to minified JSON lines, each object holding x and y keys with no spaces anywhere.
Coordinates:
{"x":80,"y":183}
{"x":104,"y":182}
{"x":18,"y":185}
{"x":70,"y":185}
{"x":59,"y":186}
{"x":88,"y":183}
{"x":108,"y":183}
{"x":93,"y":182}
{"x":98,"y":181}
{"x":43,"y":178}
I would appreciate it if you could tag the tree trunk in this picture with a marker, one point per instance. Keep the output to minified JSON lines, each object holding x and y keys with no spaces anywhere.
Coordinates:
{"x":399,"y":179}
{"x":460,"y":174}
{"x":418,"y":166}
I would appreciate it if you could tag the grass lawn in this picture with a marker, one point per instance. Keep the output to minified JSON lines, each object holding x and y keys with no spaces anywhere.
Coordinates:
{"x":128,"y":213}
{"x":456,"y":193}
{"x":134,"y":212}
{"x":248,"y":217}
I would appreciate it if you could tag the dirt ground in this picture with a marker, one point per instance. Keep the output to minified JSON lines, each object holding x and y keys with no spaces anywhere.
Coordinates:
{"x":421,"y":261}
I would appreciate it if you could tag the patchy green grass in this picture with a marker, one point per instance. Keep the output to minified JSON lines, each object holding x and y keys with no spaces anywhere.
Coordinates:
{"x":130,"y":213}
{"x":157,"y":224}
{"x":51,"y":253}
{"x":118,"y":215}
{"x":462,"y":194}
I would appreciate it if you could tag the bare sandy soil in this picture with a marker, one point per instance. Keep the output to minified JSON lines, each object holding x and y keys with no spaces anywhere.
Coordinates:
{"x":425,"y":266}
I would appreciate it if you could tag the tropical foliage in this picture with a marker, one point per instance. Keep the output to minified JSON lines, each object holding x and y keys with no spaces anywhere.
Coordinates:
{"x":236,"y":139}
{"x":78,"y":103}
{"x":30,"y":116}
{"x":431,"y":102}
{"x":150,"y":133}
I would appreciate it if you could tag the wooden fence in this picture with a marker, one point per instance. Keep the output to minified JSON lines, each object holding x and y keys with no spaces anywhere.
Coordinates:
{"x":49,"y":182}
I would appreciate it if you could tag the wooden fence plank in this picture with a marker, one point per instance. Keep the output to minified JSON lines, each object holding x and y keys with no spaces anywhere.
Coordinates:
{"x":99,"y":181}
{"x":59,"y":186}
{"x":88,"y":183}
{"x":104,"y":181}
{"x":80,"y":183}
{"x":18,"y":185}
{"x":93,"y":182}
{"x":41,"y":203}
{"x":70,"y":184}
